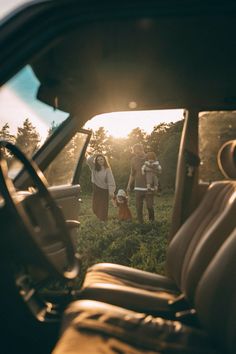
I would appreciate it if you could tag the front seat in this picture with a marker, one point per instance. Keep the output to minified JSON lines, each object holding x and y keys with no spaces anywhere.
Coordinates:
{"x":95,"y":327}
{"x":188,"y":255}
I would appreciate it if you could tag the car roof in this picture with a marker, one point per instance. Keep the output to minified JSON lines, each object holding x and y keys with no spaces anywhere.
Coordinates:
{"x":141,"y":54}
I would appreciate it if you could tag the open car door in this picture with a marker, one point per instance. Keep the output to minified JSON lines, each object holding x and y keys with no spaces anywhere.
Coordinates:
{"x":65,"y":187}
{"x":61,"y":159}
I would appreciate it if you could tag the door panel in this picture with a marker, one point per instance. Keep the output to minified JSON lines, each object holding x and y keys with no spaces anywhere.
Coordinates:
{"x":68,"y":198}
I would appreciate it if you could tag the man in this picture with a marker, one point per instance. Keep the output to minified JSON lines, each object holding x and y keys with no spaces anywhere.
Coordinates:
{"x":140,"y":187}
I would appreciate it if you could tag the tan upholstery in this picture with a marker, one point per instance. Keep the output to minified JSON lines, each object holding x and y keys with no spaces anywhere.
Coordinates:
{"x":98,"y":328}
{"x":95,"y":327}
{"x":206,"y":229}
{"x":188,"y":254}
{"x":200,"y":237}
{"x":227,"y":159}
{"x":215,"y":297}
{"x":201,"y":264}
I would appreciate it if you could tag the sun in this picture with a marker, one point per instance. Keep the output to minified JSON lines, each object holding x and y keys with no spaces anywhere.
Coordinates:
{"x":120,"y":124}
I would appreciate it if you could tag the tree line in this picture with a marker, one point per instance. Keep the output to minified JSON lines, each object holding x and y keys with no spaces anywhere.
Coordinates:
{"x":27,"y":138}
{"x":163,"y":140}
{"x":214,"y":129}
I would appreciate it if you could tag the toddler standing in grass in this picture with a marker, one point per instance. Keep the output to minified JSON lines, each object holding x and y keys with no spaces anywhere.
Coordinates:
{"x":121,"y":202}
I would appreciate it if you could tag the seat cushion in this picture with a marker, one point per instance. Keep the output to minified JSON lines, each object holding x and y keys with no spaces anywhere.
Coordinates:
{"x":131,"y":288}
{"x":121,"y":275}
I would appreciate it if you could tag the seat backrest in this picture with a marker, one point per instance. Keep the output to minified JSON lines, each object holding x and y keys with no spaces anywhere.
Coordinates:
{"x":226,"y":159}
{"x":205,"y":230}
{"x":201,"y":251}
{"x":215,"y":298}
{"x":199,"y":238}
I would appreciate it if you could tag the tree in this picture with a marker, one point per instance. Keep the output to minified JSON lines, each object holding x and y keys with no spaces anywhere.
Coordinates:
{"x":120,"y":160}
{"x":27,"y":138}
{"x":164,"y":141}
{"x":99,"y":142}
{"x":137,"y":136}
{"x":6,"y":135}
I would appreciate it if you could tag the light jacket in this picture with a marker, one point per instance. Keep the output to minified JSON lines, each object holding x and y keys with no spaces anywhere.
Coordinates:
{"x":103,"y":178}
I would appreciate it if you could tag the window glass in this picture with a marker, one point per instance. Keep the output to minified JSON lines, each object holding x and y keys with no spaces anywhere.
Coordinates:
{"x":10,"y":5}
{"x":24,"y":120}
{"x":215,"y":128}
{"x":62,"y":168}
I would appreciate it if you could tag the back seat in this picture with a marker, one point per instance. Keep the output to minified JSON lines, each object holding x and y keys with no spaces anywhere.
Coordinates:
{"x":95,"y":327}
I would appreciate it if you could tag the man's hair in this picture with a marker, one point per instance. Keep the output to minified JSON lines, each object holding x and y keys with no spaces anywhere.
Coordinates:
{"x":137,"y":148}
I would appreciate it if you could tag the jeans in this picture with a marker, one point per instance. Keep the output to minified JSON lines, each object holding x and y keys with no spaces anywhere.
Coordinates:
{"x":140,"y":196}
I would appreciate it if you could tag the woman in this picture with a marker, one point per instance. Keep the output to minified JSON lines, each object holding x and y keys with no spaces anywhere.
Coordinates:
{"x":103,"y":185}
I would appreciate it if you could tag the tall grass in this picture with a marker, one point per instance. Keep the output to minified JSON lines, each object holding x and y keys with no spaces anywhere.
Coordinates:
{"x":137,"y":245}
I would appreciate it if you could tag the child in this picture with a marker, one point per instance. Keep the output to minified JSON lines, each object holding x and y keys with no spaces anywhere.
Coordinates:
{"x":151,"y":169}
{"x":121,"y":201}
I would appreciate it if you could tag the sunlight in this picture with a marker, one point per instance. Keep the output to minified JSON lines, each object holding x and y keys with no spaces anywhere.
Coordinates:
{"x":10,"y":5}
{"x":14,"y":111}
{"x":120,"y":124}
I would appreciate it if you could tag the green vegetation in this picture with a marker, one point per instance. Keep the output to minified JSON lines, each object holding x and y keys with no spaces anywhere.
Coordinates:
{"x":127,"y":243}
{"x":164,"y":141}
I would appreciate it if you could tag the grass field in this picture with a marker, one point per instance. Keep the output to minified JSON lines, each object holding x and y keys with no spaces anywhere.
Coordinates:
{"x":128,"y":243}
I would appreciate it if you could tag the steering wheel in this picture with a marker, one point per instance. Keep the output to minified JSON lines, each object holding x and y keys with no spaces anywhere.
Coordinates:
{"x":37,"y":219}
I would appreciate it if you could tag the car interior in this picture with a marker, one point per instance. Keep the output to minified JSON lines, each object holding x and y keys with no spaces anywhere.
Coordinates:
{"x":89,"y":58}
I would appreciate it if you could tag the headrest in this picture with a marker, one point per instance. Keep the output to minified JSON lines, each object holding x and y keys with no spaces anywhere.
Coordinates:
{"x":227,"y":159}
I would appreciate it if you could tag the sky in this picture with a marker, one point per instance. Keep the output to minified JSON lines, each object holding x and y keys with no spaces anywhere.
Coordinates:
{"x":13,"y":109}
{"x":18,"y":102}
{"x":120,"y":124}
{"x":6,"y":6}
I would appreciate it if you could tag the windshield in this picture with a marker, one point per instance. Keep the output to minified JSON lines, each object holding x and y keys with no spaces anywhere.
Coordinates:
{"x":24,"y":120}
{"x":7,"y":6}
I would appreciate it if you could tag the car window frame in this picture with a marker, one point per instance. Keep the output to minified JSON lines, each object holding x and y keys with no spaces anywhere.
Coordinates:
{"x":52,"y":147}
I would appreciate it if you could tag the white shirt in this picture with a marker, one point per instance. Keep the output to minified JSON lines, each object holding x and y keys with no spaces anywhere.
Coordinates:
{"x":103,"y":178}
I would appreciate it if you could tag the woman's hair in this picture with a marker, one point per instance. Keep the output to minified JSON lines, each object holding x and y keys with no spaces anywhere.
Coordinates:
{"x":97,"y":166}
{"x":150,"y":155}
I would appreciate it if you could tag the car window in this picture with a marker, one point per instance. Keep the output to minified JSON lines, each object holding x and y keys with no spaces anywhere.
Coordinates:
{"x":24,"y":120}
{"x":62,"y":168}
{"x":7,"y":7}
{"x":215,"y":128}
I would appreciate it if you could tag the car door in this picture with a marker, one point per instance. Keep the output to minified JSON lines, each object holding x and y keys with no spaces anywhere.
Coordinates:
{"x":64,"y":183}
{"x":61,"y":158}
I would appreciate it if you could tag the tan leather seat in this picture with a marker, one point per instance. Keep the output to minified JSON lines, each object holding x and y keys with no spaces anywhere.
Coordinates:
{"x":95,"y":327}
{"x":226,"y":159}
{"x":188,"y":255}
{"x":215,"y":298}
